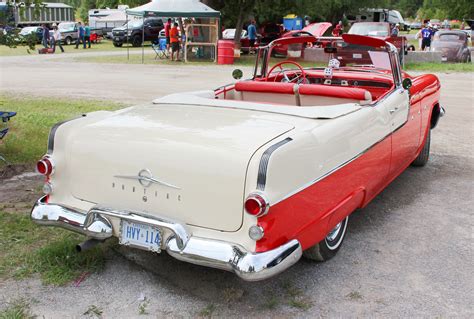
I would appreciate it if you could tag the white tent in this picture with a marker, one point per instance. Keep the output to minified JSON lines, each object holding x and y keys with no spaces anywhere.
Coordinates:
{"x":175,"y":8}
{"x":186,"y":9}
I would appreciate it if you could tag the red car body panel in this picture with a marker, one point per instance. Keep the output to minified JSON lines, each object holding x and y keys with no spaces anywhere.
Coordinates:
{"x":355,"y":184}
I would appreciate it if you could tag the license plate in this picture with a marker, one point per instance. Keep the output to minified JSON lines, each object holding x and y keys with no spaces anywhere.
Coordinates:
{"x":444,"y":59}
{"x":140,"y":236}
{"x":357,"y":56}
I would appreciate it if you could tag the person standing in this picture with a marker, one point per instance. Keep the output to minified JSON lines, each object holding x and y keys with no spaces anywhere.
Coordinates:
{"x":174,"y":38}
{"x":252,"y":34}
{"x":45,"y":36}
{"x":426,"y":35}
{"x":80,"y":34}
{"x":395,"y":30}
{"x":57,"y":38}
{"x":337,"y":31}
{"x":168,"y":25}
{"x":87,"y":36}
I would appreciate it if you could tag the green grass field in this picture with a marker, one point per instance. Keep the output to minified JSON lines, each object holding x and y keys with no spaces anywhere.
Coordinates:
{"x":249,"y":60}
{"x":29,"y":129}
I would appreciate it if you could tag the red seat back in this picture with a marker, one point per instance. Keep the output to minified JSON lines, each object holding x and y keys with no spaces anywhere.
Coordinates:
{"x":334,"y":91}
{"x":265,"y":87}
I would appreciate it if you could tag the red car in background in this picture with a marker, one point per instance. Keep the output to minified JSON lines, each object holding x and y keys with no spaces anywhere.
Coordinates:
{"x":229,"y":34}
{"x":380,"y":30}
{"x":315,"y":29}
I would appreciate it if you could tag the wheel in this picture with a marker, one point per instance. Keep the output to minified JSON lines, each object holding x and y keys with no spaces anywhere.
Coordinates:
{"x":68,"y":40}
{"x":136,"y":41}
{"x":328,"y":247}
{"x":424,"y":155}
{"x":118,"y":45}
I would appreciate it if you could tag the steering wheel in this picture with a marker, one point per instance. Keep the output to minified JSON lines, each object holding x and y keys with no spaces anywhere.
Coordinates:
{"x":302,"y":74}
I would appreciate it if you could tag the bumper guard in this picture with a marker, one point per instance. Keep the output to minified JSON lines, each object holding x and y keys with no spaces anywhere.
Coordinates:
{"x":181,"y":244}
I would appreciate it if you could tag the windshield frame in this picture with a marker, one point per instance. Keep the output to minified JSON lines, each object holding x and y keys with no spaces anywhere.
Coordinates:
{"x":264,"y":54}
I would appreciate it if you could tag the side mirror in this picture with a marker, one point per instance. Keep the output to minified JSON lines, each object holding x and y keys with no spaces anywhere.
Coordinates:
{"x":237,"y":74}
{"x":406,"y":83}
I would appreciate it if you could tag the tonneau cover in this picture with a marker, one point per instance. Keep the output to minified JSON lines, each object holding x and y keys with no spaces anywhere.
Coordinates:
{"x":206,"y":98}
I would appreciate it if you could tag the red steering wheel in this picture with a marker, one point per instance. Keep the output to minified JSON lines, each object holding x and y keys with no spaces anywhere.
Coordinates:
{"x":302,"y":74}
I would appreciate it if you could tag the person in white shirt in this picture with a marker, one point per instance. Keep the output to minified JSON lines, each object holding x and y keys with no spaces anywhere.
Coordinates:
{"x":57,"y":38}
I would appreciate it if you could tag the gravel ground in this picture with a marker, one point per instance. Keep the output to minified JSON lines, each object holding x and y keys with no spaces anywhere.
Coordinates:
{"x":408,"y":254}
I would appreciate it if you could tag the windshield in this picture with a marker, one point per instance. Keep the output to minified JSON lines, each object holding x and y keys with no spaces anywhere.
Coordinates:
{"x":450,"y":37}
{"x":28,"y":30}
{"x":323,"y":53}
{"x":66,"y":26}
{"x":230,"y":34}
{"x":370,"y":29}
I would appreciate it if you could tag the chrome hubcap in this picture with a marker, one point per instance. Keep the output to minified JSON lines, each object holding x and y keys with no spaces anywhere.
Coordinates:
{"x":334,"y":232}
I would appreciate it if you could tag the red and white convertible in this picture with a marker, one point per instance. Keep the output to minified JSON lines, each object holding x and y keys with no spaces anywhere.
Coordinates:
{"x":248,"y":177}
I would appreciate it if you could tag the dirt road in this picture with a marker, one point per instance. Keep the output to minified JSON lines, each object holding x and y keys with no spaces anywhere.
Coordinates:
{"x":408,"y":254}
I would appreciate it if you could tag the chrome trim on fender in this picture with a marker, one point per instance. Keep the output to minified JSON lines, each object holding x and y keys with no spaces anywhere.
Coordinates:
{"x":231,"y":257}
{"x":180,"y":244}
{"x":262,"y":168}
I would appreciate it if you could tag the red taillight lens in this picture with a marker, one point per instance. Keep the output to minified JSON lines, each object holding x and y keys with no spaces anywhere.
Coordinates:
{"x":44,"y":166}
{"x":256,"y":205}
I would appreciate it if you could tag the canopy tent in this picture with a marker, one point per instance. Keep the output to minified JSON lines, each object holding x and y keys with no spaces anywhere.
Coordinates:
{"x":175,"y":8}
{"x":195,"y":31}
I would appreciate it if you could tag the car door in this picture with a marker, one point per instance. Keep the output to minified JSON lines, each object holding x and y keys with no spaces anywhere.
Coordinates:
{"x":405,"y":125}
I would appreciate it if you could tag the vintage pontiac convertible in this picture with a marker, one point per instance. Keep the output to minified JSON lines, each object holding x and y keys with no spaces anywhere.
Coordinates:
{"x":248,"y":177}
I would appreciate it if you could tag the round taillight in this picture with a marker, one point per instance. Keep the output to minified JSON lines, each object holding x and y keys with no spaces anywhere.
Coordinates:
{"x":44,"y":166}
{"x":256,"y":205}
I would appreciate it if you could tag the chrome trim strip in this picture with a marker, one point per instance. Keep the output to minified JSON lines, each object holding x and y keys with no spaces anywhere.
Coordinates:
{"x":53,"y":130}
{"x":263,"y":166}
{"x":331,"y":171}
{"x":181,"y":245}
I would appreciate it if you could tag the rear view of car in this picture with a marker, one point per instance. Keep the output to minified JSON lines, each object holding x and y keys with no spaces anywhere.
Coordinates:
{"x":452,"y":45}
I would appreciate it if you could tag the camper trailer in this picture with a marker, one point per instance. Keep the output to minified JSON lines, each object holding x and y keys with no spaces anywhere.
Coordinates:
{"x":107,"y":19}
{"x":50,"y":12}
{"x":379,"y":15}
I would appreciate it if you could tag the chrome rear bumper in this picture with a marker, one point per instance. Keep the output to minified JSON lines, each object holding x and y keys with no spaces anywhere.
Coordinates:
{"x":96,"y":223}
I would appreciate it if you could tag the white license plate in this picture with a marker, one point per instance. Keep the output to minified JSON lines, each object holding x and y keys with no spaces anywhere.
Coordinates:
{"x":444,"y":59}
{"x":140,"y":236}
{"x":357,"y":56}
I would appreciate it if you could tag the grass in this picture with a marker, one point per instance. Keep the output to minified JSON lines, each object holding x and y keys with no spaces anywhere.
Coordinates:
{"x":27,"y":249}
{"x":208,"y":311}
{"x":105,"y":45}
{"x":440,"y":67}
{"x":18,"y":309}
{"x":249,"y":61}
{"x":93,"y":311}
{"x":296,"y":298}
{"x":29,"y":129}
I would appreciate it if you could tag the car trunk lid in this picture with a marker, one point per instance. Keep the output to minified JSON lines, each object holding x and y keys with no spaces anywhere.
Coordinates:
{"x":187,"y":163}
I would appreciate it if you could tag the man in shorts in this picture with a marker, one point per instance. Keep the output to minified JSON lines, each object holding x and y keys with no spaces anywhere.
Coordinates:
{"x":426,"y":35}
{"x":174,"y":38}
{"x":167,"y":33}
{"x":252,"y":34}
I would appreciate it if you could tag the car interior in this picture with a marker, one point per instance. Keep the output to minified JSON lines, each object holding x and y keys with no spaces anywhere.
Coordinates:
{"x":311,"y":87}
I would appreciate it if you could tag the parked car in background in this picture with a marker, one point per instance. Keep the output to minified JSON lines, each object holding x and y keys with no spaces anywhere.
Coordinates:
{"x":315,"y":29}
{"x":270,"y":31}
{"x":68,"y":32}
{"x":250,"y":176}
{"x":135,"y":31}
{"x":416,"y":25}
{"x":229,"y":34}
{"x":453,"y":46}
{"x":27,"y":31}
{"x":381,"y":30}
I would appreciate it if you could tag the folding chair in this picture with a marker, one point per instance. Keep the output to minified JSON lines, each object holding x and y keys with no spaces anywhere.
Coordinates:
{"x":5,"y":116}
{"x":160,"y":49}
